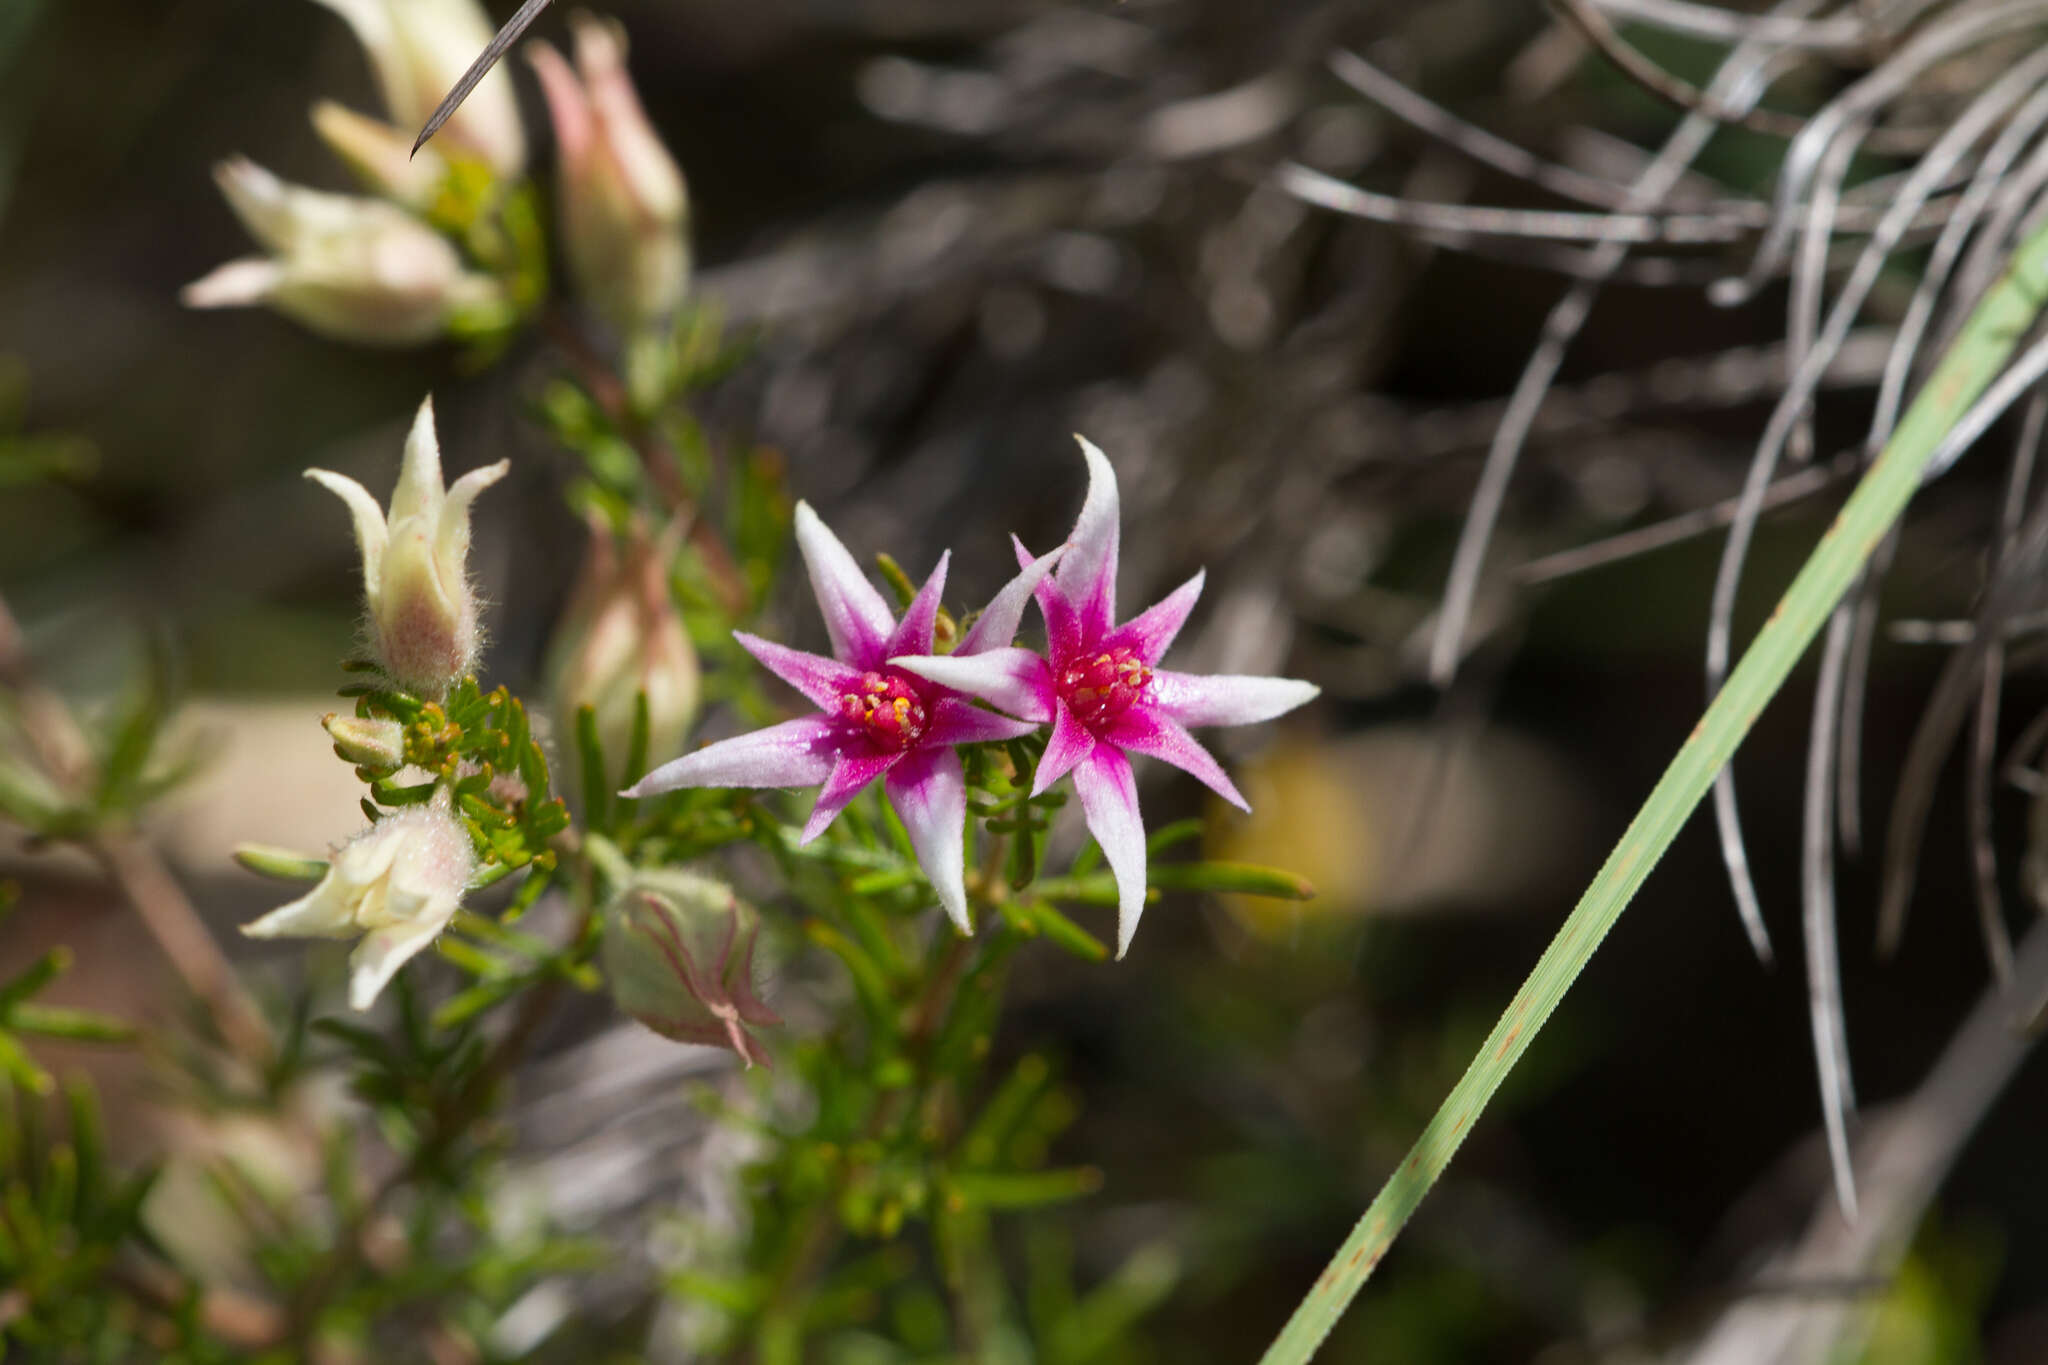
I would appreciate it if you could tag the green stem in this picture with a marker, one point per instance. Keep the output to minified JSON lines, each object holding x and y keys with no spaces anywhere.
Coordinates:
{"x":1979,"y":352}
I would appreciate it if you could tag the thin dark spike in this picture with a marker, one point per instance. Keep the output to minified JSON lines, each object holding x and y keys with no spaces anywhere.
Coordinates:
{"x":515,"y":27}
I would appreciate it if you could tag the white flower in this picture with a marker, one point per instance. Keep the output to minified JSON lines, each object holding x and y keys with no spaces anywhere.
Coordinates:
{"x":419,"y":49}
{"x":397,"y":884}
{"x":624,"y":208}
{"x":422,"y":610}
{"x":350,"y":268}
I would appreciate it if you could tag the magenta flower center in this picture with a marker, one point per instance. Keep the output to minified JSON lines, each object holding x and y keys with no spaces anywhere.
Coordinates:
{"x":887,"y":707}
{"x":1098,"y":688}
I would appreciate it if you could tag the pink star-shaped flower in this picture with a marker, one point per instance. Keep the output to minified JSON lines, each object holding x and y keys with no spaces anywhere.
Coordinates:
{"x":1101,"y":687}
{"x":876,"y":720}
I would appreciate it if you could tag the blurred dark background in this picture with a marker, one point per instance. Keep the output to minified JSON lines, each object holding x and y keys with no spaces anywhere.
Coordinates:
{"x":960,"y":232}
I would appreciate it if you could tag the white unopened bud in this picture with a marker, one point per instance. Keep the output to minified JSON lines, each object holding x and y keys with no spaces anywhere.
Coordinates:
{"x":422,"y":610}
{"x":679,"y":952}
{"x":623,"y":636}
{"x":351,"y":268}
{"x":397,"y":884}
{"x":367,"y":743}
{"x":624,"y":209}
{"x":419,"y":49}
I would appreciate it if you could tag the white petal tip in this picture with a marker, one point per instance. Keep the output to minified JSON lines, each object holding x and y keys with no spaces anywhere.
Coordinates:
{"x":238,"y":284}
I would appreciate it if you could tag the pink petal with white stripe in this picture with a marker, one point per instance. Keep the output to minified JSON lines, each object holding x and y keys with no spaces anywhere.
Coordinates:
{"x":856,"y":617}
{"x":796,"y":753}
{"x":823,"y":681}
{"x":1151,"y":633}
{"x":1071,"y":742}
{"x":849,"y":777}
{"x":1010,"y":679}
{"x":929,"y":791}
{"x":913,"y":634}
{"x":1226,"y":698}
{"x":1109,"y":800}
{"x":1088,"y":574}
{"x":953,"y":721}
{"x":1062,"y":622}
{"x":1142,"y":731}
{"x":997,"y":625}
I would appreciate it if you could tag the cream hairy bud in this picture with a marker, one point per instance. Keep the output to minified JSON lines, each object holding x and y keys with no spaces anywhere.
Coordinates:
{"x":350,"y":268}
{"x":422,"y":610}
{"x":624,"y":209}
{"x":396,"y":885}
{"x":418,"y":50}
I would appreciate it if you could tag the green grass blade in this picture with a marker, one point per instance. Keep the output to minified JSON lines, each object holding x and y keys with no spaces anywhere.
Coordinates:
{"x":1933,"y":428}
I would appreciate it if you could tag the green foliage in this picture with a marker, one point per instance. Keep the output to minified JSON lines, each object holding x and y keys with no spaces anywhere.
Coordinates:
{"x":480,"y":745}
{"x":21,"y":1016}
{"x":66,"y":1220}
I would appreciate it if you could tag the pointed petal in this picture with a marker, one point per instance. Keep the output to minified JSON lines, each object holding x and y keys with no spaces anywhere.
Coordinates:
{"x":997,"y":625}
{"x":913,"y":634}
{"x":381,"y":953}
{"x":451,"y":538}
{"x":420,"y":490}
{"x":1062,"y":622}
{"x":239,"y":283}
{"x":850,"y":776}
{"x":929,"y":791}
{"x":1088,"y":574}
{"x":1143,"y":730}
{"x":954,"y":721}
{"x":1152,"y":632}
{"x":823,"y":681}
{"x":796,"y":753}
{"x":371,"y":532}
{"x":856,"y":617}
{"x":1015,"y":680}
{"x":327,"y":911}
{"x":1070,"y":743}
{"x":1109,"y":799}
{"x":1226,"y":698}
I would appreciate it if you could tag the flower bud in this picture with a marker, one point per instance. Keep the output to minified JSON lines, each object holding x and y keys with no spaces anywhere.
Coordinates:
{"x":350,"y":268}
{"x":679,"y":952}
{"x":381,"y":155}
{"x":397,"y":884}
{"x":419,"y":49}
{"x":621,"y":636}
{"x":378,"y":744}
{"x":623,"y":205}
{"x":422,"y":610}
